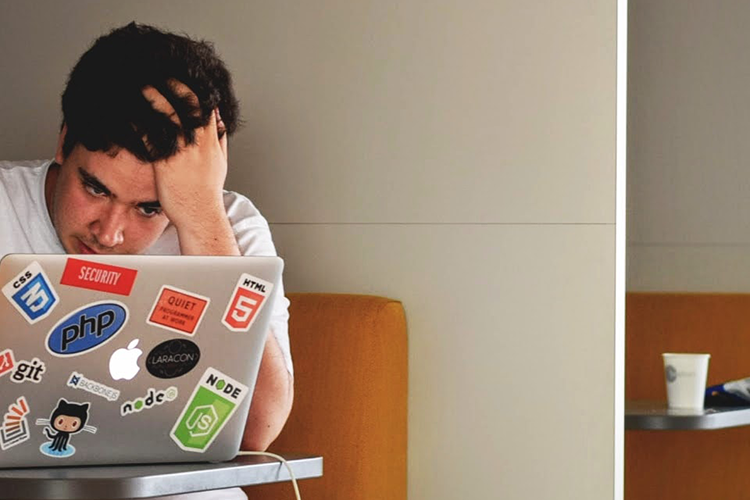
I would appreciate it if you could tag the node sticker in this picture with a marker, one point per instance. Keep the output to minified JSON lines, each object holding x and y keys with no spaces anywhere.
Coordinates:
{"x":178,"y":310}
{"x":209,"y":408}
{"x":151,"y":399}
{"x":31,"y":293}
{"x":7,"y":363}
{"x":15,"y":429}
{"x":249,"y":296}
{"x":97,"y":276}
{"x":67,"y":418}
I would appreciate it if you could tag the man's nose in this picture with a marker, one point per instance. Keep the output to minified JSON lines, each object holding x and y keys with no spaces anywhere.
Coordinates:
{"x":109,"y":229}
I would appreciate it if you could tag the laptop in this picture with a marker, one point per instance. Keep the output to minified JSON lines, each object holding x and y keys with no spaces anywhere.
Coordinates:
{"x":129,"y":359}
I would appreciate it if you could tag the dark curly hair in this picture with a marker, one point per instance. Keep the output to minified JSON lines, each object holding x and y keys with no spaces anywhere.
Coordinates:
{"x":103,"y":105}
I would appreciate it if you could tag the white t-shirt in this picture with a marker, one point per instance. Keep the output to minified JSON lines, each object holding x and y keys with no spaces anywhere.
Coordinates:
{"x":25,"y":227}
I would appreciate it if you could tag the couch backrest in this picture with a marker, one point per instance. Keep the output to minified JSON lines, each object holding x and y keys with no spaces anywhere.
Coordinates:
{"x":350,"y":362}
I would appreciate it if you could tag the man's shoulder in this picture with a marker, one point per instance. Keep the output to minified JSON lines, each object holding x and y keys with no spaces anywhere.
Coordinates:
{"x":21,"y":171}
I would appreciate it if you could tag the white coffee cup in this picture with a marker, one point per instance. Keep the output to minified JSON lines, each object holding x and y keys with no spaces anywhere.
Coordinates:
{"x":685,"y":376}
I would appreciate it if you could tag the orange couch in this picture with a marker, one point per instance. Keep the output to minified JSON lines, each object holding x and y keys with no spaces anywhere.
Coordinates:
{"x":350,"y":362}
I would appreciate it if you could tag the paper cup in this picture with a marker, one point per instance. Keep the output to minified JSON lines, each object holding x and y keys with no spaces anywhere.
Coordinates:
{"x":685,"y":376}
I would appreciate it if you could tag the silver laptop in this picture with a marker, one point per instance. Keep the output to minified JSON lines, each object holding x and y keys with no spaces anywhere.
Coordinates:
{"x":129,"y":359}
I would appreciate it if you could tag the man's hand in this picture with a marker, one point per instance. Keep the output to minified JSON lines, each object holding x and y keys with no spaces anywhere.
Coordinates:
{"x":190,"y":183}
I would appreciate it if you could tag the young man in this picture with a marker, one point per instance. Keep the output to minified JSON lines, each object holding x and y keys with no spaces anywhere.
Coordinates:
{"x":139,"y":167}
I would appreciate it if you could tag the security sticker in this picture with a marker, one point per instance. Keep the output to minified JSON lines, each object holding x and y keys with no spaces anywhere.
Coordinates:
{"x":87,"y":328}
{"x":97,"y":276}
{"x":7,"y":363}
{"x":152,"y":398}
{"x":79,"y":381}
{"x":248,"y":298}
{"x":31,"y":293}
{"x":66,"y":419}
{"x":15,"y":429}
{"x":213,"y":402}
{"x":178,"y":310}
{"x":30,"y":371}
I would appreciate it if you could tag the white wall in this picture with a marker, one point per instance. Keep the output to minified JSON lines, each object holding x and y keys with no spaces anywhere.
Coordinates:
{"x":459,"y":156}
{"x":688,"y":148}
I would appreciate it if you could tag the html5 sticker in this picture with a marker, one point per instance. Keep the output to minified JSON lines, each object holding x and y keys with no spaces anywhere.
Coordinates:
{"x":178,"y":310}
{"x":31,"y":293}
{"x":247,"y":300}
{"x":98,"y":276}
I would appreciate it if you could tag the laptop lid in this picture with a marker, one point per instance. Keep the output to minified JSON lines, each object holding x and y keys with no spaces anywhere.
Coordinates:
{"x":129,"y":359}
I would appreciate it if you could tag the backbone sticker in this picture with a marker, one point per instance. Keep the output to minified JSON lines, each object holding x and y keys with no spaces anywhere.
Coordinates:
{"x":15,"y":429}
{"x":79,"y":381}
{"x":213,"y":402}
{"x":247,"y":300}
{"x":178,"y":310}
{"x":97,"y":276}
{"x":31,"y":293}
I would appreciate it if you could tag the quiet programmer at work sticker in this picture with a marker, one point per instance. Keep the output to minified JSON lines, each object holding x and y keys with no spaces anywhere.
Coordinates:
{"x":248,"y":298}
{"x":178,"y":310}
{"x":31,"y":293}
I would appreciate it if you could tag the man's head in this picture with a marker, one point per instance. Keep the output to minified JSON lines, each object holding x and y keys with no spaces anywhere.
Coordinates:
{"x":103,"y":197}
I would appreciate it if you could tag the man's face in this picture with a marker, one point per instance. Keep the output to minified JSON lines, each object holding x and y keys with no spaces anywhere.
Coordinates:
{"x":104,"y":204}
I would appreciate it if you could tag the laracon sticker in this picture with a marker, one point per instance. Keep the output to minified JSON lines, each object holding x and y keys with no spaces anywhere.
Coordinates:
{"x":7,"y":363}
{"x":31,"y":293}
{"x":173,"y":358}
{"x":248,"y":298}
{"x":15,"y":429}
{"x":209,"y":408}
{"x":178,"y":310}
{"x":151,"y":399}
{"x":30,"y":371}
{"x":79,"y":381}
{"x":98,"y":276}
{"x":87,"y":328}
{"x":66,"y":419}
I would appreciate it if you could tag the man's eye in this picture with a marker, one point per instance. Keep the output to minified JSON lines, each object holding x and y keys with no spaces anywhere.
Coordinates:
{"x":93,"y":190}
{"x":149,"y":211}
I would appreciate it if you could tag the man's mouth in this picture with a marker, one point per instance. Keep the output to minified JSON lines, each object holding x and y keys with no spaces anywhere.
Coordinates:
{"x":85,"y":249}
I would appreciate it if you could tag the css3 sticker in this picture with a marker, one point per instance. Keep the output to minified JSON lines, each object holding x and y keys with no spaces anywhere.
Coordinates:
{"x":31,"y":293}
{"x":213,"y":401}
{"x":249,"y":296}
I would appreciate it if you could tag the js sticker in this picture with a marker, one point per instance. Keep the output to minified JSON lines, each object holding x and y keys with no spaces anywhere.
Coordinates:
{"x":31,"y":293}
{"x":209,"y":408}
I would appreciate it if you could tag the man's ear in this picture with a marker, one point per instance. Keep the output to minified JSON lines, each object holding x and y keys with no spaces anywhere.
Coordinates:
{"x":59,"y":156}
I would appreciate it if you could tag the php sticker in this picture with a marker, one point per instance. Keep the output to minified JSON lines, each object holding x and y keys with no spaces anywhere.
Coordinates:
{"x":79,"y":381}
{"x":31,"y":293}
{"x":7,"y":363}
{"x":30,"y":371}
{"x":15,"y":429}
{"x":178,"y":310}
{"x":151,"y":399}
{"x":67,"y":418}
{"x":209,"y":408}
{"x":98,"y":276}
{"x":247,"y":300}
{"x":87,"y":328}
{"x":173,"y":358}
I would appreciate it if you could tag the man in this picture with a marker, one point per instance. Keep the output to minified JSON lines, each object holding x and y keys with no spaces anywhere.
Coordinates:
{"x":139,"y":167}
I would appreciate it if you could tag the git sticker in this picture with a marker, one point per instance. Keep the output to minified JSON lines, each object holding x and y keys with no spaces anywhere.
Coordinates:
{"x":247,"y":300}
{"x":31,"y":293}
{"x":178,"y":310}
{"x":209,"y":408}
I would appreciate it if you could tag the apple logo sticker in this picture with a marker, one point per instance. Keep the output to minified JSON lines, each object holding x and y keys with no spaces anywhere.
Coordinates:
{"x":124,"y":362}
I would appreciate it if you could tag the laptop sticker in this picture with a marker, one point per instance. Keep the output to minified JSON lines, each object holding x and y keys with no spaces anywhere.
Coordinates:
{"x":67,"y":418}
{"x":123,"y":364}
{"x":178,"y":310}
{"x":7,"y":363}
{"x":173,"y":358}
{"x":31,"y":293}
{"x":97,"y":276}
{"x":247,"y":300}
{"x":79,"y":381}
{"x":152,"y":398}
{"x":86,"y":329}
{"x":30,"y":371}
{"x":209,"y":408}
{"x":15,"y":429}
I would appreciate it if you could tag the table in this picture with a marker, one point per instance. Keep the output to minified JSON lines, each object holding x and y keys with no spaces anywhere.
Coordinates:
{"x":141,"y":481}
{"x":651,"y":415}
